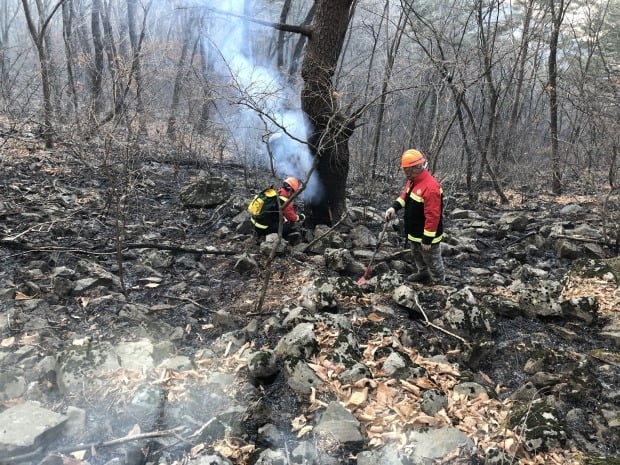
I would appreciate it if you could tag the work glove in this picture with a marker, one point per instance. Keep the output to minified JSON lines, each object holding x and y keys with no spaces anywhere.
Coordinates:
{"x":390,"y":213}
{"x":302,"y":217}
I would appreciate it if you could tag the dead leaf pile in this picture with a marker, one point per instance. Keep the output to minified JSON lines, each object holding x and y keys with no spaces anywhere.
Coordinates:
{"x":389,"y":408}
{"x":607,"y":293}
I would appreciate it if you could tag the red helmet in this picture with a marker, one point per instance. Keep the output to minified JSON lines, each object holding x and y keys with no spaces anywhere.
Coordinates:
{"x":293,"y":183}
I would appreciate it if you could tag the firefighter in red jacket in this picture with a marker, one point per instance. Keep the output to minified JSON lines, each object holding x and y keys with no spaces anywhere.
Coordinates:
{"x":267,"y":223}
{"x":423,"y":203}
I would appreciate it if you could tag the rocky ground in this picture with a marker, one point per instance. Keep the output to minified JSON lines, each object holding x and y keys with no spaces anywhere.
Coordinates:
{"x":132,"y":328}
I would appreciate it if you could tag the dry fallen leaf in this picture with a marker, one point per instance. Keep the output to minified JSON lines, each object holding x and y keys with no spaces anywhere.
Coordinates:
{"x":375,"y":318}
{"x":305,"y":430}
{"x":358,"y":397}
{"x":197,"y":449}
{"x":298,"y":422}
{"x":8,"y":342}
{"x":22,"y":296}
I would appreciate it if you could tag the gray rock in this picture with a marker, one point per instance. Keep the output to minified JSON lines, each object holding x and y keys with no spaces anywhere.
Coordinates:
{"x":269,"y":457}
{"x":541,"y":298}
{"x":572,"y":209}
{"x":463,"y":315}
{"x":271,"y":435}
{"x":271,"y":241}
{"x":362,"y":237}
{"x":515,"y":221}
{"x":540,"y":424}
{"x":433,"y":401}
{"x":176,"y":363}
{"x":583,"y":308}
{"x":469,"y":389}
{"x":11,"y":386}
{"x":229,"y":343}
{"x":262,"y":364}
{"x":338,"y":423}
{"x":300,"y":377}
{"x":205,"y":192}
{"x":27,"y":426}
{"x":82,"y":366}
{"x":136,"y":355}
{"x":405,"y":296}
{"x":211,"y":459}
{"x":246,"y":264}
{"x":393,"y":363}
{"x":433,"y":444}
{"x":385,"y":456}
{"x":300,"y":342}
{"x":355,"y":373}
{"x":76,"y":422}
{"x":564,"y":248}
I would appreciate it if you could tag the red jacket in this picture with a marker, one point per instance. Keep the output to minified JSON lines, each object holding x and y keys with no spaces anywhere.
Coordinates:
{"x":423,"y":203}
{"x":289,"y":211}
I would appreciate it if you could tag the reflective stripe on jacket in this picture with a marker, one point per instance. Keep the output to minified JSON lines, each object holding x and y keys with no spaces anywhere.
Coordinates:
{"x":422,"y":199}
{"x":270,"y":218}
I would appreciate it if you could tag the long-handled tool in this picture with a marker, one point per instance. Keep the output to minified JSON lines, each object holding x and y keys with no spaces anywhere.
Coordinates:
{"x":366,"y":274}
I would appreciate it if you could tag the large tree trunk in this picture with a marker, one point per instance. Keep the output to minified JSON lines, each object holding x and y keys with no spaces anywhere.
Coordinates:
{"x":67,"y":32}
{"x":329,"y":139}
{"x":186,"y":24}
{"x":557,"y":16}
{"x":134,"y":39}
{"x":97,"y":73}
{"x":38,"y":37}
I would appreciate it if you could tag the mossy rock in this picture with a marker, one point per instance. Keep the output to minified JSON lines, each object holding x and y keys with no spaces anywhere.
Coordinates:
{"x":595,"y":268}
{"x":540,"y":424}
{"x":609,"y":356}
{"x":387,"y":282}
{"x":328,"y":290}
{"x":602,"y":461}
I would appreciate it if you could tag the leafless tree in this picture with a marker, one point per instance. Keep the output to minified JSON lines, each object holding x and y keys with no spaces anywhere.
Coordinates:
{"x":557,"y":10}
{"x":37,"y":32}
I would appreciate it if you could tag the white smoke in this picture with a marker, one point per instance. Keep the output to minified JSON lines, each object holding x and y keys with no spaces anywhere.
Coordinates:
{"x":266,"y":105}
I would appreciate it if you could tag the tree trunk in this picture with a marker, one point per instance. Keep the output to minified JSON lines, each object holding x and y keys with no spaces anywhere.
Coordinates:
{"x":97,"y":73}
{"x":557,"y":16}
{"x":38,"y":37}
{"x":292,"y":70}
{"x":286,"y":8}
{"x":113,"y":56}
{"x":329,"y":138}
{"x":387,"y":76}
{"x":186,"y":27}
{"x":6,"y":20}
{"x":67,"y":32}
{"x":207,"y":97}
{"x":132,"y":6}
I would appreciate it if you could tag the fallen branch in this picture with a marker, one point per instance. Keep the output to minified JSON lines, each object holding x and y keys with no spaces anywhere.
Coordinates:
{"x":92,"y":445}
{"x":428,"y":323}
{"x":95,"y":251}
{"x":179,"y":248}
{"x":580,"y":239}
{"x":317,"y":239}
{"x":182,"y":299}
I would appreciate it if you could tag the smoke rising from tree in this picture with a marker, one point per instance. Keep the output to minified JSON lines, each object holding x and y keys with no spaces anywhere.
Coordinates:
{"x":266,"y":104}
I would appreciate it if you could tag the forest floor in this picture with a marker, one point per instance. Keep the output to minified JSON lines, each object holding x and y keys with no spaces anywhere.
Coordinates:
{"x":60,"y":206}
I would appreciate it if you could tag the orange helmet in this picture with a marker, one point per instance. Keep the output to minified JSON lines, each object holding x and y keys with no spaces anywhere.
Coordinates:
{"x":293,"y":183}
{"x":412,"y":158}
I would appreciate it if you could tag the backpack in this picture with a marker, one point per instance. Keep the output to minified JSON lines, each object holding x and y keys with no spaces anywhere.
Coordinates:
{"x":264,"y":202}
